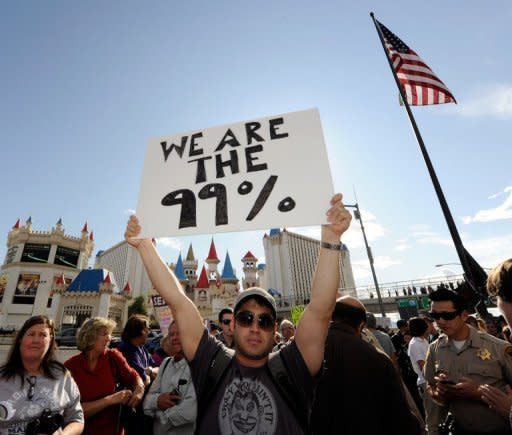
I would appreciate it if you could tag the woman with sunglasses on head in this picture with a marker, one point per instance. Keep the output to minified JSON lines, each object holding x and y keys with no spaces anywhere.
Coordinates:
{"x":33,"y":383}
{"x":459,"y":363}
{"x":104,"y":378}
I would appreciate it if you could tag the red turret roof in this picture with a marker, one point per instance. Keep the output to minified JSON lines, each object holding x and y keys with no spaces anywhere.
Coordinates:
{"x":203,"y":280}
{"x":212,"y":255}
{"x":91,"y":237}
{"x":16,"y":225}
{"x":107,"y":279}
{"x":127,"y":288}
{"x":249,"y":256}
{"x":85,"y":229}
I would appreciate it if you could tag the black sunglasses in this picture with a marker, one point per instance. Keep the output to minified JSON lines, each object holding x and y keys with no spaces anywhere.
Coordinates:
{"x":265,"y":321}
{"x":446,"y":315}
{"x":32,"y":386}
{"x":225,"y":321}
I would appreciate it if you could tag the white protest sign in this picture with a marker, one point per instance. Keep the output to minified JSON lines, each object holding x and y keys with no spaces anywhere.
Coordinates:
{"x":257,"y":174}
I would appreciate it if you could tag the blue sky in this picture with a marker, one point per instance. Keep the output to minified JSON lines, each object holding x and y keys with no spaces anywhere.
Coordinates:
{"x":84,"y":85}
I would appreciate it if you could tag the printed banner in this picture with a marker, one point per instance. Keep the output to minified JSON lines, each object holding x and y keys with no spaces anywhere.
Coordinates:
{"x":258,"y":174}
{"x":162,"y":312}
{"x":26,"y":289}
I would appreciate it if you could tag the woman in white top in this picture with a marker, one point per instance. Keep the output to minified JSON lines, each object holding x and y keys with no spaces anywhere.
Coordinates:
{"x":33,"y":384}
{"x":418,"y":348}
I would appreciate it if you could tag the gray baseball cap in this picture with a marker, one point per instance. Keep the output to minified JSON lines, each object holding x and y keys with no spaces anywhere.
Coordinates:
{"x":258,"y":292}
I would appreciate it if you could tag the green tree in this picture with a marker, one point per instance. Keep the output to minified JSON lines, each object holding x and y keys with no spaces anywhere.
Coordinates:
{"x":138,"y":307}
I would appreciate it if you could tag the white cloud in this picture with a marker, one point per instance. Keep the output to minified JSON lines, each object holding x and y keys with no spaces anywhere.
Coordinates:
{"x":128,"y":212}
{"x":353,"y":238}
{"x":490,"y":251}
{"x":502,"y":212}
{"x":169,"y":242}
{"x":495,"y":101}
{"x":385,"y":262}
{"x":401,"y":247}
{"x":419,"y":228}
{"x":362,"y":271}
{"x":430,"y":238}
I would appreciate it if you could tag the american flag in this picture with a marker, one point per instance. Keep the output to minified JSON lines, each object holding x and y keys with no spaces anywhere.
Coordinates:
{"x":420,"y":84}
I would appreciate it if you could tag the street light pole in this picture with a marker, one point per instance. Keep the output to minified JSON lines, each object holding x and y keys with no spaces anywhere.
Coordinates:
{"x":357,"y":215}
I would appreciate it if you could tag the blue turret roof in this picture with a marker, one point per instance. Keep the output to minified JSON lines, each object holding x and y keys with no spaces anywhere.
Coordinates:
{"x":178,"y":270}
{"x":262,"y":266}
{"x":227,"y":272}
{"x":275,"y":231}
{"x":89,"y":280}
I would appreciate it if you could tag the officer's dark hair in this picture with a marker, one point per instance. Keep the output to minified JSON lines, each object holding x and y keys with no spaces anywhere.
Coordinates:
{"x":444,"y":294}
{"x":417,"y":326}
{"x":401,"y":323}
{"x":499,"y":282}
{"x":226,"y":310}
{"x":348,"y":314}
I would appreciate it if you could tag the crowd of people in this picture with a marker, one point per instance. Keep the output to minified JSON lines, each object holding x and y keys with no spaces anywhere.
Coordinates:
{"x":334,"y":372}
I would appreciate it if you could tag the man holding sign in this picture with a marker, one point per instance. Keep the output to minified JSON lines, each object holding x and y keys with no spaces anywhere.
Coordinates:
{"x":245,"y":398}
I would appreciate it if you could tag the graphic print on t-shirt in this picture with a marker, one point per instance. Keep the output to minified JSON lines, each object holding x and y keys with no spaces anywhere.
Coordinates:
{"x":247,"y":408}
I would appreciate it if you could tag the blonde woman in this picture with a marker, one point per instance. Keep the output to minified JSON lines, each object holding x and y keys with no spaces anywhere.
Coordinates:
{"x":99,"y":371}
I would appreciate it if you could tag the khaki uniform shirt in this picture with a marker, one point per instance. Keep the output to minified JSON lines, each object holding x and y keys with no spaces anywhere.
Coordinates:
{"x":483,"y":359}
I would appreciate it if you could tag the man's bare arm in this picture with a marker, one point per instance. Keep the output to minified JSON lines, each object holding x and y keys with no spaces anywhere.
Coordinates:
{"x":188,"y":319}
{"x":312,"y":329}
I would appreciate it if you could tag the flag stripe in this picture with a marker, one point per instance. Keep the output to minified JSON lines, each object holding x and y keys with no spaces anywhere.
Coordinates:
{"x":420,"y":84}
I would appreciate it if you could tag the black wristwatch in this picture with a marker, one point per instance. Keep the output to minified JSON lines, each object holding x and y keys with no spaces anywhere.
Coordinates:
{"x":331,"y":246}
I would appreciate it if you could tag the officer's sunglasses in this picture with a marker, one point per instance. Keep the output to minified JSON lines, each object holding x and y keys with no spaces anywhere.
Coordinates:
{"x":225,"y":321}
{"x":446,"y":315}
{"x":246,"y":318}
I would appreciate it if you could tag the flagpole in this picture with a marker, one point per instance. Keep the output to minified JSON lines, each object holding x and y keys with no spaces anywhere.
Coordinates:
{"x":437,"y":186}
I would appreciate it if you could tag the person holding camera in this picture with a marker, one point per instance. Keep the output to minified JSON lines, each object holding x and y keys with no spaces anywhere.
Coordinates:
{"x":459,"y":363}
{"x":171,"y":399}
{"x":105,"y":379}
{"x":37,"y":393}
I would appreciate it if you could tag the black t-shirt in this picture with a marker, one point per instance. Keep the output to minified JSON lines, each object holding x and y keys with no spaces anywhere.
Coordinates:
{"x":246,"y":400}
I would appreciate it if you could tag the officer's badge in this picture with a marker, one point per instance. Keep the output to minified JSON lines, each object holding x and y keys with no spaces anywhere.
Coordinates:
{"x":483,"y":354}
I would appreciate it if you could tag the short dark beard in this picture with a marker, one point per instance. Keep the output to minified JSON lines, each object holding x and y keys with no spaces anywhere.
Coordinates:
{"x":251,"y":357}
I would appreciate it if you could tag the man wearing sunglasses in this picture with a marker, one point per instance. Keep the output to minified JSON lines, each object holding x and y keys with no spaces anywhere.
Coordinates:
{"x":225,"y":319}
{"x":246,"y":400}
{"x":458,"y":363}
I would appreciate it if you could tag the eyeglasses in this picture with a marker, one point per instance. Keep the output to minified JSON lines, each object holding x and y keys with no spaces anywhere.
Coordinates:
{"x":225,"y":321}
{"x":32,"y":386}
{"x":246,"y":319}
{"x":446,"y":315}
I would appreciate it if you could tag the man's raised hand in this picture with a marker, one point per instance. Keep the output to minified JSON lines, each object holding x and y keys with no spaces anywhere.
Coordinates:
{"x":338,"y":217}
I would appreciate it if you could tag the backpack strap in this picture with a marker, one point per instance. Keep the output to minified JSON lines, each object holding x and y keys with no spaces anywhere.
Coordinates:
{"x":279,"y":374}
{"x":217,"y":369}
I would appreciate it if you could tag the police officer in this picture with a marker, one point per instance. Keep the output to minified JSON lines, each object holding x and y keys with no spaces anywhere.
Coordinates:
{"x":459,"y":362}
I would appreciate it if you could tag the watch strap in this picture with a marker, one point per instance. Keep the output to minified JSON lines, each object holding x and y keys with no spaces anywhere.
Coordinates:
{"x":331,"y":246}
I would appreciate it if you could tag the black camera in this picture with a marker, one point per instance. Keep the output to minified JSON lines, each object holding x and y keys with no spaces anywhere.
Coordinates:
{"x":47,"y":423}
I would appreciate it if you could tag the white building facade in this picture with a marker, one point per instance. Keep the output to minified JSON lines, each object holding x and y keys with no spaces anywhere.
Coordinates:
{"x":291,"y":259}
{"x":34,"y":262}
{"x":125,"y":263}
